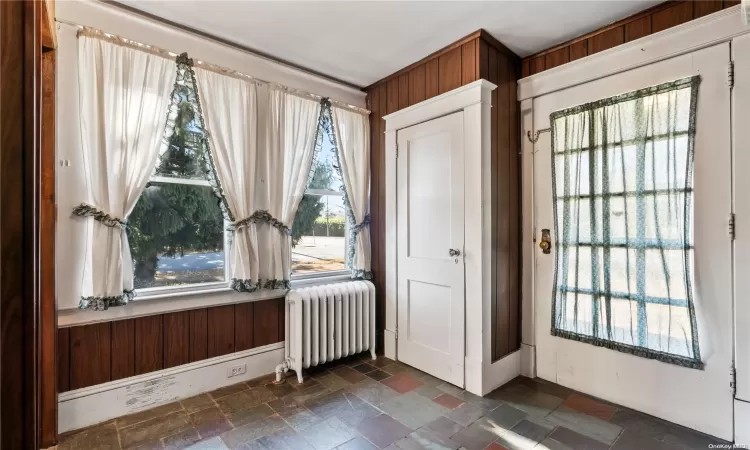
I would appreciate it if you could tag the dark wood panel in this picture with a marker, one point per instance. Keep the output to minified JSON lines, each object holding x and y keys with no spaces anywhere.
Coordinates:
{"x":379,"y":269}
{"x":432,"y":78}
{"x":638,"y":28}
{"x":606,"y":40}
{"x":63,"y":359}
{"x":123,"y":349}
{"x":243,"y":326}
{"x":706,"y":7}
{"x":557,"y":58}
{"x":176,"y":339}
{"x":514,"y":212}
{"x":89,"y":355}
{"x":392,"y":102}
{"x":527,"y":66}
{"x":449,"y":67}
{"x":730,"y":3}
{"x":198,"y":335}
{"x":537,"y":65}
{"x":149,"y":344}
{"x":266,"y":324}
{"x":417,"y":78}
{"x":221,"y":330}
{"x":282,"y":319}
{"x":674,"y":15}
{"x":469,"y":67}
{"x":403,"y":91}
{"x":493,"y":67}
{"x":578,"y":50}
{"x":483,"y":59}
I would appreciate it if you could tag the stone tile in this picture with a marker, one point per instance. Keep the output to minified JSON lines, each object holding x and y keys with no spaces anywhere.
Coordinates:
{"x":328,"y":434}
{"x":360,"y":411}
{"x":364,"y":368}
{"x":154,"y":429}
{"x":265,"y":379}
{"x":524,"y":435}
{"x":284,"y":439}
{"x":181,"y":440}
{"x":280,"y":390}
{"x":590,"y":406}
{"x":300,"y":419}
{"x":574,"y":440}
{"x":99,"y":437}
{"x":252,"y":431}
{"x":476,"y":436}
{"x":551,"y":444}
{"x":545,"y":386}
{"x":486,"y":403}
{"x":496,"y":446}
{"x":430,"y":392}
{"x":228,"y":390}
{"x":444,"y":427}
{"x":239,"y":413}
{"x":329,"y":405}
{"x":429,"y":380}
{"x":253,"y":445}
{"x":349,"y":374}
{"x":333,"y":382}
{"x":307,"y":394}
{"x":214,"y":443}
{"x":210,"y":422}
{"x":284,"y":405}
{"x":132,"y":419}
{"x":402,"y":383}
{"x":505,"y":416}
{"x":383,"y":430}
{"x":448,"y":401}
{"x":381,"y":362}
{"x":465,"y":414}
{"x":378,"y":375}
{"x":591,"y":426}
{"x":535,"y":403}
{"x":661,"y":430}
{"x":394,"y":368}
{"x":358,"y":443}
{"x":413,"y":410}
{"x":630,"y":440}
{"x":450,"y":389}
{"x":427,"y":438}
{"x":372,"y":391}
{"x":195,"y":404}
{"x":307,"y":381}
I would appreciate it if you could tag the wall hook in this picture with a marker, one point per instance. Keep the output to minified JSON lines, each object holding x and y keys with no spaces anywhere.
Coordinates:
{"x":536,"y":135}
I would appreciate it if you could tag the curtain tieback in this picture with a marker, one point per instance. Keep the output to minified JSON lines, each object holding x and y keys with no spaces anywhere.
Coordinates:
{"x":260,"y":215}
{"x":365,"y":223}
{"x":86,"y":210}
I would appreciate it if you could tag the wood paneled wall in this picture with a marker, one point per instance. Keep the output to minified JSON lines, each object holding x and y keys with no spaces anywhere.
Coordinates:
{"x":652,"y":20}
{"x":94,"y":354}
{"x":476,"y":56}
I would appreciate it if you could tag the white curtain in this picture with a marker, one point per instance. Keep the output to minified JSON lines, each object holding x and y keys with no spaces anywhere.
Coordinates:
{"x":352,"y":132}
{"x":125,"y":94}
{"x":286,"y":158}
{"x":230,"y":112}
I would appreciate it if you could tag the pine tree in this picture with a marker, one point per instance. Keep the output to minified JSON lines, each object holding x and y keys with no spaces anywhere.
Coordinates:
{"x":311,"y":206}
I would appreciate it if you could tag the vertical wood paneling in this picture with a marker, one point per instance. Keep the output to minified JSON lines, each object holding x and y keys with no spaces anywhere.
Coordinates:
{"x":149,"y":344}
{"x":176,"y":339}
{"x":379,"y":276}
{"x":483,"y":58}
{"x":493,"y":77}
{"x":578,"y":50}
{"x":198,"y":335}
{"x":706,"y":7}
{"x":514,"y":195}
{"x":373,"y":103}
{"x":606,"y":40}
{"x":469,"y":62}
{"x":220,"y":320}
{"x":417,"y":78}
{"x":403,"y":91}
{"x":63,"y":359}
{"x":123,"y":349}
{"x":638,"y":28}
{"x":392,"y":90}
{"x":730,"y":3}
{"x":89,"y":355}
{"x":281,"y":320}
{"x":527,"y":65}
{"x":265,"y":327}
{"x":432,"y":78}
{"x":667,"y":18}
{"x":537,"y":65}
{"x":449,"y":67}
{"x":243,"y":326}
{"x":557,"y":58}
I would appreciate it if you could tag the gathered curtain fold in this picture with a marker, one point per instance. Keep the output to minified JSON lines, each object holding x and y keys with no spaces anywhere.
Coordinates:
{"x":124,"y":96}
{"x":351,"y":131}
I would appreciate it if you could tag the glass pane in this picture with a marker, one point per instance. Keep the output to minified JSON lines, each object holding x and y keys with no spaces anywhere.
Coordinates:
{"x":176,"y":235}
{"x":319,"y":235}
{"x":325,"y":173}
{"x":183,"y":157}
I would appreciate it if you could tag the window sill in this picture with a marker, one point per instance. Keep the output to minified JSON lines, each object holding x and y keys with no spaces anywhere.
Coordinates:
{"x":167,"y":301}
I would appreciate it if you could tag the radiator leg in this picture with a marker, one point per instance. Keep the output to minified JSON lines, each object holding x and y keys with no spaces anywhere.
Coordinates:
{"x":299,"y":377}
{"x":281,"y":370}
{"x":372,"y":352}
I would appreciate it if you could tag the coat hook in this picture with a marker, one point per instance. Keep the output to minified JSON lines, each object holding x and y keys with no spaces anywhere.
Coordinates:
{"x":536,"y":135}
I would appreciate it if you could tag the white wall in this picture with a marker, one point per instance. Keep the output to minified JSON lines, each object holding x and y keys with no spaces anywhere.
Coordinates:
{"x":71,"y":186}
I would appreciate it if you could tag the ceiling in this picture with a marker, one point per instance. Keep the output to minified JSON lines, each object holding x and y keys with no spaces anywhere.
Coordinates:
{"x":361,"y":42}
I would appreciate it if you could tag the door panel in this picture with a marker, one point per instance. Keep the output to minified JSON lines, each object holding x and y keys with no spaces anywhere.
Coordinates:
{"x":430,"y":193}
{"x":699,"y":399}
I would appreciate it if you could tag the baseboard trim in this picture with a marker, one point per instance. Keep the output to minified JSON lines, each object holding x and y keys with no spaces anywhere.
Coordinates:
{"x":91,"y":405}
{"x":528,"y":360}
{"x":501,"y":371}
{"x":389,"y":340}
{"x":741,"y":419}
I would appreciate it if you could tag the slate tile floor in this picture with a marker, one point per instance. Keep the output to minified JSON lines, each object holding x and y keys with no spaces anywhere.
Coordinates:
{"x":360,"y":404}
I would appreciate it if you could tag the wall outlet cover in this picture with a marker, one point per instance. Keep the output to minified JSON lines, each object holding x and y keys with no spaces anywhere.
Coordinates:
{"x":236,"y":370}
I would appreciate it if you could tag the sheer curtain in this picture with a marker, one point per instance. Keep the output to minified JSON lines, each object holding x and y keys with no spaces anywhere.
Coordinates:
{"x":352,"y":141}
{"x":230,"y":110}
{"x":290,"y":140}
{"x":124,"y":102}
{"x":623,"y":190}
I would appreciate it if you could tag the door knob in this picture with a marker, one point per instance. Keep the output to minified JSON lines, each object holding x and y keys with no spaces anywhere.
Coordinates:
{"x":545,"y":244}
{"x":454,"y":252}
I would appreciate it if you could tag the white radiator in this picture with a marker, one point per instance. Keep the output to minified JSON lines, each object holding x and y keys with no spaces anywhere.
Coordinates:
{"x":328,"y":322}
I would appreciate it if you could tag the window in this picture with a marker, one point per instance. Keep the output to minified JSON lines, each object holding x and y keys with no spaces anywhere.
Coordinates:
{"x":319,"y":232}
{"x":176,"y":230}
{"x":622,"y":174}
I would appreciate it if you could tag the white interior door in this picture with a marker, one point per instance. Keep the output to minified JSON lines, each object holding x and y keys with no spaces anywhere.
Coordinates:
{"x":699,"y":399}
{"x":430,"y":198}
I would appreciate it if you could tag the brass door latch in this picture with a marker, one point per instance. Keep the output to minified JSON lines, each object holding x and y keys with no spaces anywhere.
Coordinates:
{"x":545,"y":244}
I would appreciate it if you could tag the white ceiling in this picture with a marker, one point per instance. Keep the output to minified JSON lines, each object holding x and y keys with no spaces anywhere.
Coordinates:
{"x":361,"y":42}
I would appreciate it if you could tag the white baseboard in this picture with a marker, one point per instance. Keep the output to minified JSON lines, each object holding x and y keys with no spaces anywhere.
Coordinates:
{"x":88,"y":406}
{"x":389,"y":338}
{"x":741,"y":419}
{"x":501,"y":371}
{"x":528,"y":360}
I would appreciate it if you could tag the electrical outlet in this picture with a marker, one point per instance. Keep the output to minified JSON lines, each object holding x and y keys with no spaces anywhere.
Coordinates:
{"x":236,"y":370}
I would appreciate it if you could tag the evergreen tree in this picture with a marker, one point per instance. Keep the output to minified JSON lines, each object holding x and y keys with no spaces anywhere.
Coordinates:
{"x":311,"y":206}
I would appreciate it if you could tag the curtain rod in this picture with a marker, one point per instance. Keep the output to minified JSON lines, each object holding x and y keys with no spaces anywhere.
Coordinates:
{"x":99,"y":34}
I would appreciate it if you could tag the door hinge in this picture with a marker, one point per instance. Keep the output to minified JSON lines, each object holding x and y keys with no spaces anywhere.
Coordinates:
{"x":730,"y":74}
{"x":731,"y":226}
{"x":733,"y":380}
{"x":396,"y":151}
{"x":396,"y":333}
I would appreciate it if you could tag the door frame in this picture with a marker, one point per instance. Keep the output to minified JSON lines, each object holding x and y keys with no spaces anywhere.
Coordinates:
{"x":475,"y":100}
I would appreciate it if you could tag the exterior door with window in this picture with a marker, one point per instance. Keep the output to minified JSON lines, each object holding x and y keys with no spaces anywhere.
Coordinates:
{"x":636,"y":240}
